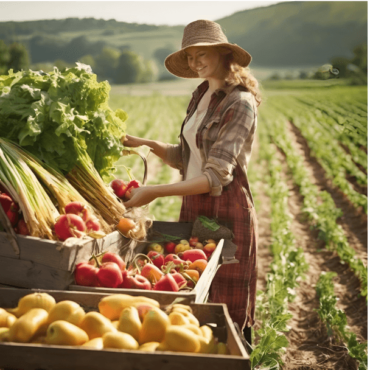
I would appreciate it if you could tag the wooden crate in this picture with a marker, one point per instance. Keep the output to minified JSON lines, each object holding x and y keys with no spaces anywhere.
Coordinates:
{"x":47,"y":264}
{"x":224,"y":253}
{"x":67,"y":357}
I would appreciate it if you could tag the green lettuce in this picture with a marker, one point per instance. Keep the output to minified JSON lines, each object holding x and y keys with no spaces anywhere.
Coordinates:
{"x":50,"y":113}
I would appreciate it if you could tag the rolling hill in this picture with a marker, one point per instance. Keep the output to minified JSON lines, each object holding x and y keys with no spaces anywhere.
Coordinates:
{"x":281,"y":35}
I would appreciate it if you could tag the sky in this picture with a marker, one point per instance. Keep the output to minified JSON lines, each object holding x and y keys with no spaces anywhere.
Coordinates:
{"x":150,"y":12}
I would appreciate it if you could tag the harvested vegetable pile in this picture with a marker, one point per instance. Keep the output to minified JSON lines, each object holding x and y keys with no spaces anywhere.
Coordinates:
{"x":63,"y":119}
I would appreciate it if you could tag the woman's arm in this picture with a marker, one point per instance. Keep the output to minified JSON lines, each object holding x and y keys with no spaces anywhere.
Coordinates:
{"x":157,"y":147}
{"x":146,"y":194}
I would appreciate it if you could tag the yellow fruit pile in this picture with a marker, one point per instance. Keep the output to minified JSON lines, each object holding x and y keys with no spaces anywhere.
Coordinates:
{"x":123,"y":322}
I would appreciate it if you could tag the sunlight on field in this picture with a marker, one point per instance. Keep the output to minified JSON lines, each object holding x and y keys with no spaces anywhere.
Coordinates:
{"x":156,"y":111}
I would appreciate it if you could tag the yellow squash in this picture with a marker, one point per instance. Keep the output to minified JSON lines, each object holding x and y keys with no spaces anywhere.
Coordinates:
{"x":154,"y":326}
{"x":34,"y":300}
{"x":149,"y":347}
{"x":120,"y":341}
{"x":113,"y":305}
{"x":26,"y":326}
{"x":96,"y":325}
{"x":6,"y":319}
{"x":4,"y":334}
{"x":194,"y":328}
{"x":62,"y":332}
{"x":129,"y":322}
{"x":207,"y":332}
{"x":96,"y":343}
{"x":180,"y":339}
{"x":192,"y":319}
{"x":177,"y":318}
{"x":68,"y":311}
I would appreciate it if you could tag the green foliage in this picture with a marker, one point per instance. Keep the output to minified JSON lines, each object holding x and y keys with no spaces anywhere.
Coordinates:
{"x":316,"y":119}
{"x":14,"y":56}
{"x":106,"y":63}
{"x":323,"y":214}
{"x":88,"y":60}
{"x":336,"y":320}
{"x":287,"y":268}
{"x":209,"y":224}
{"x":4,"y":57}
{"x":58,"y":115}
{"x":129,"y":68}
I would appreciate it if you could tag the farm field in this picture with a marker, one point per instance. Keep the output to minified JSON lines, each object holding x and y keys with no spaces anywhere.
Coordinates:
{"x":308,"y":174}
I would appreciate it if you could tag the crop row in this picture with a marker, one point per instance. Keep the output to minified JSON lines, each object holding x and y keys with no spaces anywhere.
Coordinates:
{"x":318,"y":205}
{"x":336,"y":163}
{"x":336,"y":320}
{"x":344,"y":126}
{"x":287,"y":268}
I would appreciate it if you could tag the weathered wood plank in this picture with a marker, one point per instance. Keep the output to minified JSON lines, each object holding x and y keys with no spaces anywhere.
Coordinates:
{"x":64,"y":357}
{"x":28,"y":274}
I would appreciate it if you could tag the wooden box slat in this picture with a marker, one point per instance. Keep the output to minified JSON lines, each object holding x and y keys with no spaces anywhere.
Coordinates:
{"x":63,"y":357}
{"x":45,"y":264}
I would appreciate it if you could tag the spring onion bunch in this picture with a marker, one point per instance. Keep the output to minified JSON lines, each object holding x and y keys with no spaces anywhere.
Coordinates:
{"x":38,"y":210}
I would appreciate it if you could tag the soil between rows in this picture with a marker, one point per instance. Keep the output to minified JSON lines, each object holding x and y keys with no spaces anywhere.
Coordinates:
{"x":310,"y":347}
{"x":353,"y":221}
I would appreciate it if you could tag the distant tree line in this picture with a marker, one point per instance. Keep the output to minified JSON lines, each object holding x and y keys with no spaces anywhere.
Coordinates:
{"x":354,"y":69}
{"x":14,"y":56}
{"x":118,"y":66}
{"x":9,"y":30}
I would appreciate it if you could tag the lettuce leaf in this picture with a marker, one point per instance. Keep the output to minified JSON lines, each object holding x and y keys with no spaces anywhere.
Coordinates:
{"x":47,"y":112}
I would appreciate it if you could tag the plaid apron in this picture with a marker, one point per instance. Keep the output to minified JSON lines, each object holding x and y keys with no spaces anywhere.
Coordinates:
{"x":234,"y":284}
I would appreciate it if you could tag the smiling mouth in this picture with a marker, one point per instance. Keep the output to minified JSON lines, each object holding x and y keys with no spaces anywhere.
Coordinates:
{"x":200,"y":69}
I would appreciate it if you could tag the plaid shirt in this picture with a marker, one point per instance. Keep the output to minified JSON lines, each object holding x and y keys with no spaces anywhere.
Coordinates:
{"x":224,"y":137}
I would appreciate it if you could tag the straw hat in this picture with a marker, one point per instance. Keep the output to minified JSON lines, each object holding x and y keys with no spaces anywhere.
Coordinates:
{"x":202,"y":33}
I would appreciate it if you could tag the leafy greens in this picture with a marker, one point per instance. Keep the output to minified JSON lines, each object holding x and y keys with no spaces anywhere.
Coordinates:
{"x":55,"y":114}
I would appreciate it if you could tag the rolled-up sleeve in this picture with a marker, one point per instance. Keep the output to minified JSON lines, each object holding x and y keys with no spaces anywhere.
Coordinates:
{"x":174,"y":156}
{"x":235,"y":126}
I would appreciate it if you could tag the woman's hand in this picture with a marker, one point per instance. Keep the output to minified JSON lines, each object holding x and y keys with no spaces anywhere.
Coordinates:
{"x":141,"y":196}
{"x":132,"y":141}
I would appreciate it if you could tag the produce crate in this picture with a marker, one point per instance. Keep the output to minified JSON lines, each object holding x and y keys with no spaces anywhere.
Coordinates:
{"x":38,"y":356}
{"x":30,"y":262}
{"x":223,"y":254}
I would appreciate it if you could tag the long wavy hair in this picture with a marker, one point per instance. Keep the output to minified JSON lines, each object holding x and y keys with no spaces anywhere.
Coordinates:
{"x":237,"y":75}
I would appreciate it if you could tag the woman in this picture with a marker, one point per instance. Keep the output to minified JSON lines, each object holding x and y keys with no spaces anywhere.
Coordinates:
{"x":216,"y":141}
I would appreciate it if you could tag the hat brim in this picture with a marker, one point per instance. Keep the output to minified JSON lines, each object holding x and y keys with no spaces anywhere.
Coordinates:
{"x":177,"y":64}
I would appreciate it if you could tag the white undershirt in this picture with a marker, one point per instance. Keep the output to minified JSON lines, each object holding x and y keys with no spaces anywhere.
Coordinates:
{"x":190,"y":130}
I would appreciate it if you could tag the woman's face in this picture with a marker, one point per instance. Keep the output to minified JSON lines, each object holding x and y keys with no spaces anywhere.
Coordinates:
{"x":206,"y":61}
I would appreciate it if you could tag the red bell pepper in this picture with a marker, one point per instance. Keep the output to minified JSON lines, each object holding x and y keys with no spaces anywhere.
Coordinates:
{"x":109,"y":274}
{"x":85,"y":274}
{"x":193,"y":255}
{"x":176,"y":260}
{"x":5,"y":201}
{"x":180,"y":280}
{"x":13,"y":213}
{"x":167,"y":282}
{"x":157,"y":258}
{"x":148,"y":270}
{"x":131,"y":281}
{"x":114,"y":257}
